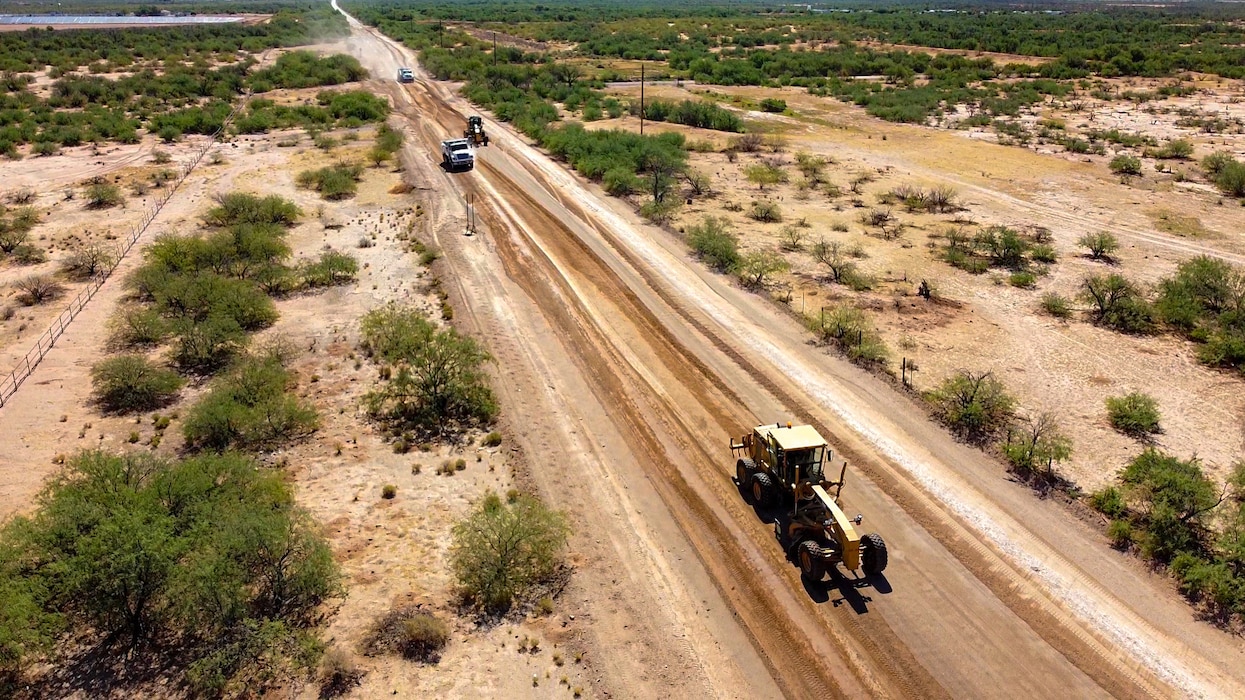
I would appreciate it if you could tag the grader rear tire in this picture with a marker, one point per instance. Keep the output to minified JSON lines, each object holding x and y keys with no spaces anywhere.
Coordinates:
{"x":872,"y":554}
{"x":744,"y":469}
{"x":762,"y":489}
{"x":812,"y":561}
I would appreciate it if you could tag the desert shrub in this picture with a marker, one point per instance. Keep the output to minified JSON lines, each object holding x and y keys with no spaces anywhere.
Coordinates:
{"x":621,"y":181}
{"x":129,"y":383}
{"x":1056,"y":305}
{"x":660,"y":212}
{"x":244,"y":208}
{"x":714,"y":244}
{"x":758,"y":267}
{"x":1043,"y":253}
{"x":493,"y":439}
{"x":1036,"y":444}
{"x":763,"y":174}
{"x":200,"y":553}
{"x":251,"y":408}
{"x":1134,"y":414}
{"x":1125,"y":165}
{"x":1173,"y":498}
{"x":1214,"y":163}
{"x":1100,"y":245}
{"x":1120,"y":532}
{"x":102,"y":195}
{"x":976,"y":407}
{"x":1177,"y":149}
{"x":1117,"y":304}
{"x":748,"y":143}
{"x":852,"y":332}
{"x":206,"y":346}
{"x":1231,"y":179}
{"x":504,"y":551}
{"x":333,"y":182}
{"x":1022,"y":279}
{"x":438,"y":381}
{"x":88,"y":262}
{"x":332,"y":268}
{"x":27,"y":254}
{"x":765,"y":212}
{"x":1109,"y":501}
{"x":338,"y":673}
{"x":304,"y":69}
{"x":773,"y":104}
{"x":415,"y":634}
{"x":388,"y":491}
{"x":38,"y":289}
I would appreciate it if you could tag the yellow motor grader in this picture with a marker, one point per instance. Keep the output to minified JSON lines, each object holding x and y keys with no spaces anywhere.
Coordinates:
{"x":785,"y":465}
{"x":475,"y":131}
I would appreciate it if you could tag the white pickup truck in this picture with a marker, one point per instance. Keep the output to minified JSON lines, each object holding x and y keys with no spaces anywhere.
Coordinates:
{"x":406,"y":75}
{"x":457,"y":153}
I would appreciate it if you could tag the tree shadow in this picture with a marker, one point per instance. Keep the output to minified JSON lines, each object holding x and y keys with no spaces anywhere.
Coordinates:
{"x":105,"y":670}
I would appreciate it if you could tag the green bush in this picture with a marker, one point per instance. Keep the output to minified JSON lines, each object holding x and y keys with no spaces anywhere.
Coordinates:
{"x":1023,"y":280}
{"x":252,"y":408}
{"x":244,"y":208}
{"x":129,"y":383}
{"x":1056,"y":305}
{"x":304,"y":69}
{"x":1110,"y":502}
{"x":852,"y":331}
{"x":1117,"y":304}
{"x":103,"y":195}
{"x":503,"y":551}
{"x":1175,"y":502}
{"x":195,"y":553}
{"x":1035,"y":444}
{"x":437,"y":383}
{"x":415,"y":634}
{"x":773,"y":104}
{"x":331,"y":269}
{"x":493,"y":439}
{"x":713,"y":243}
{"x":758,"y":267}
{"x":1120,"y":532}
{"x":1125,"y":165}
{"x":976,"y":407}
{"x":1100,"y":245}
{"x":334,"y":182}
{"x":765,"y":212}
{"x":1134,"y":414}
{"x":1231,"y":179}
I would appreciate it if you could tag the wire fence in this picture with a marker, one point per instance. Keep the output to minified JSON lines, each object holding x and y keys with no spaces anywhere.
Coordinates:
{"x":26,"y":366}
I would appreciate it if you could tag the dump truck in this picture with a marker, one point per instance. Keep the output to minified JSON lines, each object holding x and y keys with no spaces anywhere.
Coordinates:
{"x":785,"y":465}
{"x":406,"y":75}
{"x":457,"y":153}
{"x":475,"y":131}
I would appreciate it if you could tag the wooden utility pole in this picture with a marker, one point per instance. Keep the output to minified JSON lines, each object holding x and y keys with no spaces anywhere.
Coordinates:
{"x":641,"y":99}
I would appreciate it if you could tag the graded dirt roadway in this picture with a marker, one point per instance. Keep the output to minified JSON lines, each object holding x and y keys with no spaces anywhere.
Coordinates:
{"x":624,"y":368}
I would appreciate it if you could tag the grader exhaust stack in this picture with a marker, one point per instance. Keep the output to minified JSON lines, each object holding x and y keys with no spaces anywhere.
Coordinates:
{"x":785,"y":465}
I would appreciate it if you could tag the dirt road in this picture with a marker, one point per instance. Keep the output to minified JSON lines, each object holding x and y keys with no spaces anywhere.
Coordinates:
{"x":624,"y":368}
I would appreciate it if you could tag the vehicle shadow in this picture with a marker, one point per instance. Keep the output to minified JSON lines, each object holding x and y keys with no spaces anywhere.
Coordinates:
{"x":838,"y":587}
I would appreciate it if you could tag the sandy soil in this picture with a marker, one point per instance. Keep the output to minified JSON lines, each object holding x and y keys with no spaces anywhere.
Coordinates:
{"x":678,"y":360}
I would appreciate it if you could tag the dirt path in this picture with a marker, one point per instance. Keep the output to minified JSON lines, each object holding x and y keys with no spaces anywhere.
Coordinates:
{"x":625,"y":368}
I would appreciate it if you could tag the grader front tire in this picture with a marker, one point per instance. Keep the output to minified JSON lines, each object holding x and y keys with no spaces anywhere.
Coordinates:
{"x":872,"y":554}
{"x":812,"y":561}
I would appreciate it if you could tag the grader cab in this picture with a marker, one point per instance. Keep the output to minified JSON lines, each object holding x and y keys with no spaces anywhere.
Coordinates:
{"x":786,"y":465}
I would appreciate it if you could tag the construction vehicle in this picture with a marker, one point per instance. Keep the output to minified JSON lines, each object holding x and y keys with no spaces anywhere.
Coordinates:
{"x":786,"y":465}
{"x":475,"y":131}
{"x":457,"y":153}
{"x":406,"y":75}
